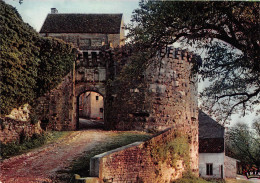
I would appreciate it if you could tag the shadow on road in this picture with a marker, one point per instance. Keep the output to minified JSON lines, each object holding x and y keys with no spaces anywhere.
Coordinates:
{"x":90,"y":124}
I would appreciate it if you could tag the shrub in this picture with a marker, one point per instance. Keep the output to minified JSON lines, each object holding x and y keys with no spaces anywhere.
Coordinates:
{"x":37,"y":140}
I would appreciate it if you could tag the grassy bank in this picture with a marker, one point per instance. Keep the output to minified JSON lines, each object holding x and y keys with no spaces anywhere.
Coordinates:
{"x":16,"y":148}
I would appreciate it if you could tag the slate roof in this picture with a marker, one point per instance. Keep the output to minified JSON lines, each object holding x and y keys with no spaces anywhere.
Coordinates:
{"x":209,"y":128}
{"x":82,"y":23}
{"x":211,"y":135}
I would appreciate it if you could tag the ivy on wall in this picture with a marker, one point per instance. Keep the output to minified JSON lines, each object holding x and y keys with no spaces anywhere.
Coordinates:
{"x":173,"y":150}
{"x":30,"y":65}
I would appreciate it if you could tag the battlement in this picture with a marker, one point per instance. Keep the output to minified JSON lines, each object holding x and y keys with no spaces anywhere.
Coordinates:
{"x":102,"y":57}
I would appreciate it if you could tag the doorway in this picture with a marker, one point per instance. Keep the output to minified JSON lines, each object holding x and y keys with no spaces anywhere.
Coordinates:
{"x":90,"y":111}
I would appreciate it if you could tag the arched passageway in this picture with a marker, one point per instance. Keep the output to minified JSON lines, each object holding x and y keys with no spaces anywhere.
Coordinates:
{"x":90,"y":110}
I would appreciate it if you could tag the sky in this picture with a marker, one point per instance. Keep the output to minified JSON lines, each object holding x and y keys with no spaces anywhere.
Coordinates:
{"x":34,"y":12}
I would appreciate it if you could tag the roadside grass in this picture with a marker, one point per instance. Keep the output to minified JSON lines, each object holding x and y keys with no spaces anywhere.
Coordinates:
{"x":81,"y":165}
{"x":192,"y":179}
{"x":16,"y":148}
{"x":236,"y":181}
{"x":188,"y":177}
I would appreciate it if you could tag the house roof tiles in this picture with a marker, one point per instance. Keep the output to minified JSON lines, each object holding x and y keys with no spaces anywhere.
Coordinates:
{"x":82,"y":23}
{"x":209,"y":128}
{"x":211,"y":135}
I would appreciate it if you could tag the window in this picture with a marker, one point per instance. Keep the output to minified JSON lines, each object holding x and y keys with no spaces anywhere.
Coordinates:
{"x":85,"y":56}
{"x":97,"y":97}
{"x":94,"y":58}
{"x":209,"y":169}
{"x":101,"y":110}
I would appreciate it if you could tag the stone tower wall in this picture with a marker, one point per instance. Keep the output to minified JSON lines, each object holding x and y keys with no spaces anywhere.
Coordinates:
{"x":165,"y":98}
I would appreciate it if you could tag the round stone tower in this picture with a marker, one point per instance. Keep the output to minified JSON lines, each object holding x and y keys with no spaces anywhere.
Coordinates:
{"x":165,"y":97}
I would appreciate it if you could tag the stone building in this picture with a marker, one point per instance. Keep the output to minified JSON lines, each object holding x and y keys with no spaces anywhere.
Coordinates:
{"x":94,"y":35}
{"x":88,"y":32}
{"x":91,"y":106}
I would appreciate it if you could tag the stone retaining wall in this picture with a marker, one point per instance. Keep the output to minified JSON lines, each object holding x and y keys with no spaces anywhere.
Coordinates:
{"x":138,"y":162}
{"x":12,"y":130}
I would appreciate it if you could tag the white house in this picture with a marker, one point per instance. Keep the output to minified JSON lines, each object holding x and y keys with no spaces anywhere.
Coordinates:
{"x":211,"y":147}
{"x":212,"y":160}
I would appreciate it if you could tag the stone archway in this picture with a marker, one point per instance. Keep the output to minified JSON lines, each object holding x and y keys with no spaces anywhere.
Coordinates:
{"x":88,"y":87}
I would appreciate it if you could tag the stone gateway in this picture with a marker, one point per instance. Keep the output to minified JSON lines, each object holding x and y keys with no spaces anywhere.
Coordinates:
{"x":164,"y":102}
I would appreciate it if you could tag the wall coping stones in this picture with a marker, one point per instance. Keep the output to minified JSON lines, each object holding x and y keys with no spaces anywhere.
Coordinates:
{"x":95,"y":161}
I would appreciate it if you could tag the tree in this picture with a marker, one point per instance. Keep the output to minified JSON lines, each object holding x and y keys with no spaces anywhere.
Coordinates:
{"x":30,"y":65}
{"x":227,"y":31}
{"x":243,"y":143}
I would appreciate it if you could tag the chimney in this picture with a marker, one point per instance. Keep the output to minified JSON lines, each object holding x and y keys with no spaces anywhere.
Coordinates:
{"x":54,"y":11}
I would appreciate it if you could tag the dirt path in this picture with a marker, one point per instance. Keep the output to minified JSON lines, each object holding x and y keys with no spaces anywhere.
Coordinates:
{"x":41,"y":164}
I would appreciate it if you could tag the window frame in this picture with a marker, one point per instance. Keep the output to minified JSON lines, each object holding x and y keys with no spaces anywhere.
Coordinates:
{"x":209,"y":169}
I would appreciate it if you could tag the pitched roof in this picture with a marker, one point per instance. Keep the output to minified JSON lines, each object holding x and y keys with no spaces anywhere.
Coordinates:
{"x":82,"y":23}
{"x":209,"y":128}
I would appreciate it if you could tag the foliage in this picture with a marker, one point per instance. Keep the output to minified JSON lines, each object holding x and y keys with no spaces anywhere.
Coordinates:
{"x":227,"y":31}
{"x":56,"y":59}
{"x":173,"y":150}
{"x":30,"y":65}
{"x":37,"y":140}
{"x":243,"y":143}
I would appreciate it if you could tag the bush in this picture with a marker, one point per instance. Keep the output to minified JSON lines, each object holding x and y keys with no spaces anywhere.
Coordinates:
{"x":15,"y":148}
{"x":37,"y":140}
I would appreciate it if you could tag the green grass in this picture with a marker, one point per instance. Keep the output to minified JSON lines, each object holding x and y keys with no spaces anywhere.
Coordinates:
{"x":81,"y":165}
{"x":188,"y":177}
{"x":236,"y":181}
{"x":15,"y":148}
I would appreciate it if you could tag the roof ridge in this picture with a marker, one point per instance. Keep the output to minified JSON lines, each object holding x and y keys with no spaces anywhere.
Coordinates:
{"x":106,"y":23}
{"x":85,"y":13}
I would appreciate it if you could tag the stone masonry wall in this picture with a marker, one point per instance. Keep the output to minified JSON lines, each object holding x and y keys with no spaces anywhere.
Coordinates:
{"x":56,"y":109}
{"x":17,"y":125}
{"x":12,"y":130}
{"x":167,"y":98}
{"x":138,"y":162}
